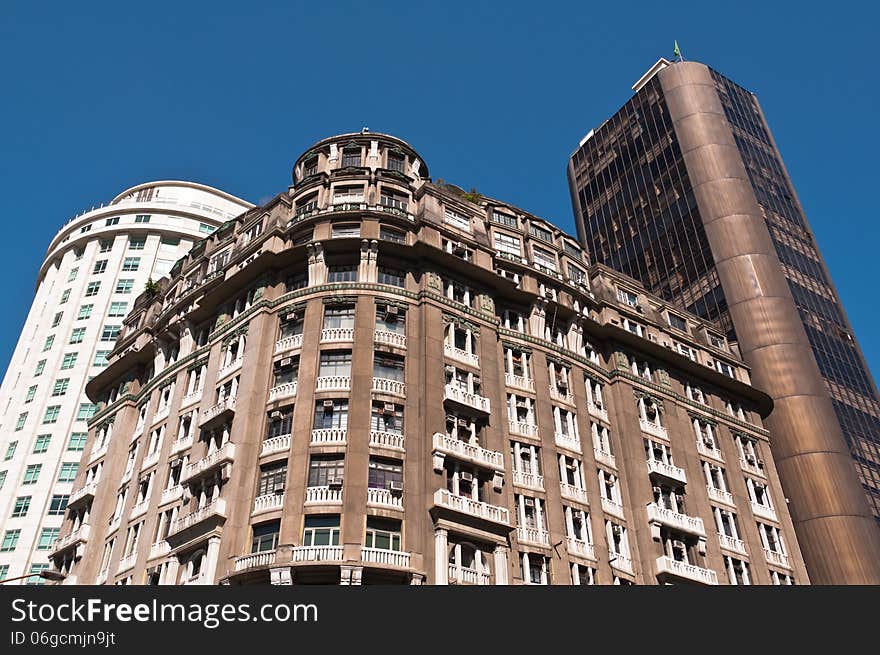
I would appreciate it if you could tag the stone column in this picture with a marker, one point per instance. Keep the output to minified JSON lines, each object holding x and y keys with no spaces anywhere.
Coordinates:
{"x":441,"y":569}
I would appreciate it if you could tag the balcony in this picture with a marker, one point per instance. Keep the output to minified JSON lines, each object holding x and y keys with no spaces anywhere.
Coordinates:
{"x":733,"y":544}
{"x":668,"y":567}
{"x":580,"y":548}
{"x":181,"y":444}
{"x":393,"y":558}
{"x":613,"y":508}
{"x":82,"y":495}
{"x":777,"y":558}
{"x":562,"y":395}
{"x":573,"y":493}
{"x":764,"y":512}
{"x":230,"y":368}
{"x":316,"y":554}
{"x":286,"y":390}
{"x":159,"y":549}
{"x":204,"y":518}
{"x":528,"y":480}
{"x":323,"y":496}
{"x":464,"y":575}
{"x":390,"y":440}
{"x":268,"y":502}
{"x":333,"y":383}
{"x":102,"y":576}
{"x":113,"y":525}
{"x":384,"y":498}
{"x":470,"y":507}
{"x":78,"y":537}
{"x":720,"y":496}
{"x":393,"y":387}
{"x":139,"y":509}
{"x":171,"y":495}
{"x":278,"y":444}
{"x":288,"y":343}
{"x":519,"y":382}
{"x":390,"y":338}
{"x":668,"y":471}
{"x":533,"y":536}
{"x":676,"y":521}
{"x":604,"y":457}
{"x":161,"y":413}
{"x":523,"y":427}
{"x":654,"y":429}
{"x":458,"y":395}
{"x":266,"y":558}
{"x":97,"y":453}
{"x":216,"y":415}
{"x":127,"y":562}
{"x":620,"y":562}
{"x":336,"y":335}
{"x":223,"y":455}
{"x":150,"y":459}
{"x":568,"y":441}
{"x":191,"y":398}
{"x":707,"y":448}
{"x":329,"y":437}
{"x":597,"y":412}
{"x":467,"y":452}
{"x":461,"y":356}
{"x":753,"y":466}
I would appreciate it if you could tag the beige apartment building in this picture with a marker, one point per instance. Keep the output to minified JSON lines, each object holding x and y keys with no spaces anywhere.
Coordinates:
{"x":376,"y":379}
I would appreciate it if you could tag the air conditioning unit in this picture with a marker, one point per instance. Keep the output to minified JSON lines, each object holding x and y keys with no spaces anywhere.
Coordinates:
{"x":751,"y":459}
{"x":278,"y":488}
{"x":284,"y":363}
{"x":529,"y":502}
{"x":395,"y":487}
{"x":389,"y":407}
{"x":334,"y":483}
{"x":466,"y":477}
{"x":679,"y":544}
{"x":291,"y":316}
{"x":391,"y":311}
{"x":657,"y":490}
{"x":462,"y":423}
{"x":449,"y":369}
{"x":275,"y":415}
{"x":571,"y":466}
{"x":760,"y":463}
{"x":328,"y":404}
{"x":522,"y":404}
{"x":616,"y":530}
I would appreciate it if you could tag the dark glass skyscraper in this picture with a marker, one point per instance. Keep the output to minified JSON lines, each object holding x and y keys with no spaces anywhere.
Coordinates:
{"x":684,"y":189}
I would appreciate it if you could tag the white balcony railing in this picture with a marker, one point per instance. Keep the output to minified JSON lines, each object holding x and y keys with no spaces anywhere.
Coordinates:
{"x":468,"y":452}
{"x":191,"y":398}
{"x":462,"y":356}
{"x":286,"y":390}
{"x":83,"y":493}
{"x":274,"y":445}
{"x":227,"y":405}
{"x":612,"y":507}
{"x":288,"y":343}
{"x":732,"y":543}
{"x":573,"y":493}
{"x":80,"y":535}
{"x":381,"y":439}
{"x":597,"y":412}
{"x":329,"y":437}
{"x":464,"y":575}
{"x":127,"y":562}
{"x":709,"y":449}
{"x":519,"y":382}
{"x":181,"y":444}
{"x":329,"y":335}
{"x":656,"y":467}
{"x":139,"y":509}
{"x":224,"y":454}
{"x":720,"y":496}
{"x":620,"y":562}
{"x":764,"y":512}
{"x":667,"y":565}
{"x":523,"y":427}
{"x":159,"y":549}
{"x":753,"y":465}
{"x":393,"y":387}
{"x":97,"y":453}
{"x":777,"y":558}
{"x":604,"y":457}
{"x":333,"y":383}
{"x":562,"y":395}
{"x":161,"y":413}
{"x":532,"y":536}
{"x":268,"y":502}
{"x":394,"y":558}
{"x":150,"y":459}
{"x":580,"y":548}
{"x":216,"y":507}
{"x":266,"y":558}
{"x":323,"y":495}
{"x":171,"y":495}
{"x":529,"y":480}
{"x":444,"y":498}
{"x":683,"y":522}
{"x":654,"y":429}
{"x":457,"y":394}
{"x":316,"y":554}
{"x":390,"y":338}
{"x":384,"y":498}
{"x":230,"y":368}
{"x":568,"y":441}
{"x":102,"y":576}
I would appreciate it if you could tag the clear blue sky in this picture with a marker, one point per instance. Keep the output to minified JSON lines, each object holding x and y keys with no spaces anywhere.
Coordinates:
{"x":99,"y":96}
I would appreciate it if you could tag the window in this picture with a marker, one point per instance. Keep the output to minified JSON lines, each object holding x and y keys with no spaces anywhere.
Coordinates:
{"x":110,"y":332}
{"x":335,"y":362}
{"x":392,"y":199}
{"x":390,"y":318}
{"x":540,"y":232}
{"x":455,"y":219}
{"x":383,"y":534}
{"x":57,"y":319}
{"x":396,"y":161}
{"x":106,"y":245}
{"x":52,"y":413}
{"x":346,"y":230}
{"x":22,"y":503}
{"x":86,"y":411}
{"x":391,"y":276}
{"x":386,"y":417}
{"x":2,"y":478}
{"x":47,"y":538}
{"x":509,"y":244}
{"x":544,"y":258}
{"x":31,"y":473}
{"x":85,"y":311}
{"x":348,"y":194}
{"x":389,"y":234}
{"x":331,"y":414}
{"x":118,"y":309}
{"x":321,"y":530}
{"x":48,"y":343}
{"x":31,"y":392}
{"x":41,"y":365}
{"x":280,"y":423}
{"x":41,"y":444}
{"x":69,"y":361}
{"x":77,"y":335}
{"x":124,"y":286}
{"x":100,"y":266}
{"x":64,"y":297}
{"x":137,"y":243}
{"x":344,"y":273}
{"x":92,"y":289}
{"x":576,"y":275}
{"x":325,"y":467}
{"x":101,"y":358}
{"x":68,"y":472}
{"x":19,"y":424}
{"x":265,"y":537}
{"x":58,"y":505}
{"x":72,"y":275}
{"x":628,"y":297}
{"x":725,"y":369}
{"x":310,"y":166}
{"x":388,"y":367}
{"x":272,"y":478}
{"x":307,"y":204}
{"x":504,"y":219}
{"x":10,"y":450}
{"x":204,"y":228}
{"x":677,"y":322}
{"x":384,"y":472}
{"x":351,"y":157}
{"x":35,"y":578}
{"x":77,"y":441}
{"x":130,"y":264}
{"x":142,"y":218}
{"x":10,"y":540}
{"x":339,"y":316}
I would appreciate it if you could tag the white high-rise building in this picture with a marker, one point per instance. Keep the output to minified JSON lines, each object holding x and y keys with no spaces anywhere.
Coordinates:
{"x":95,"y":267}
